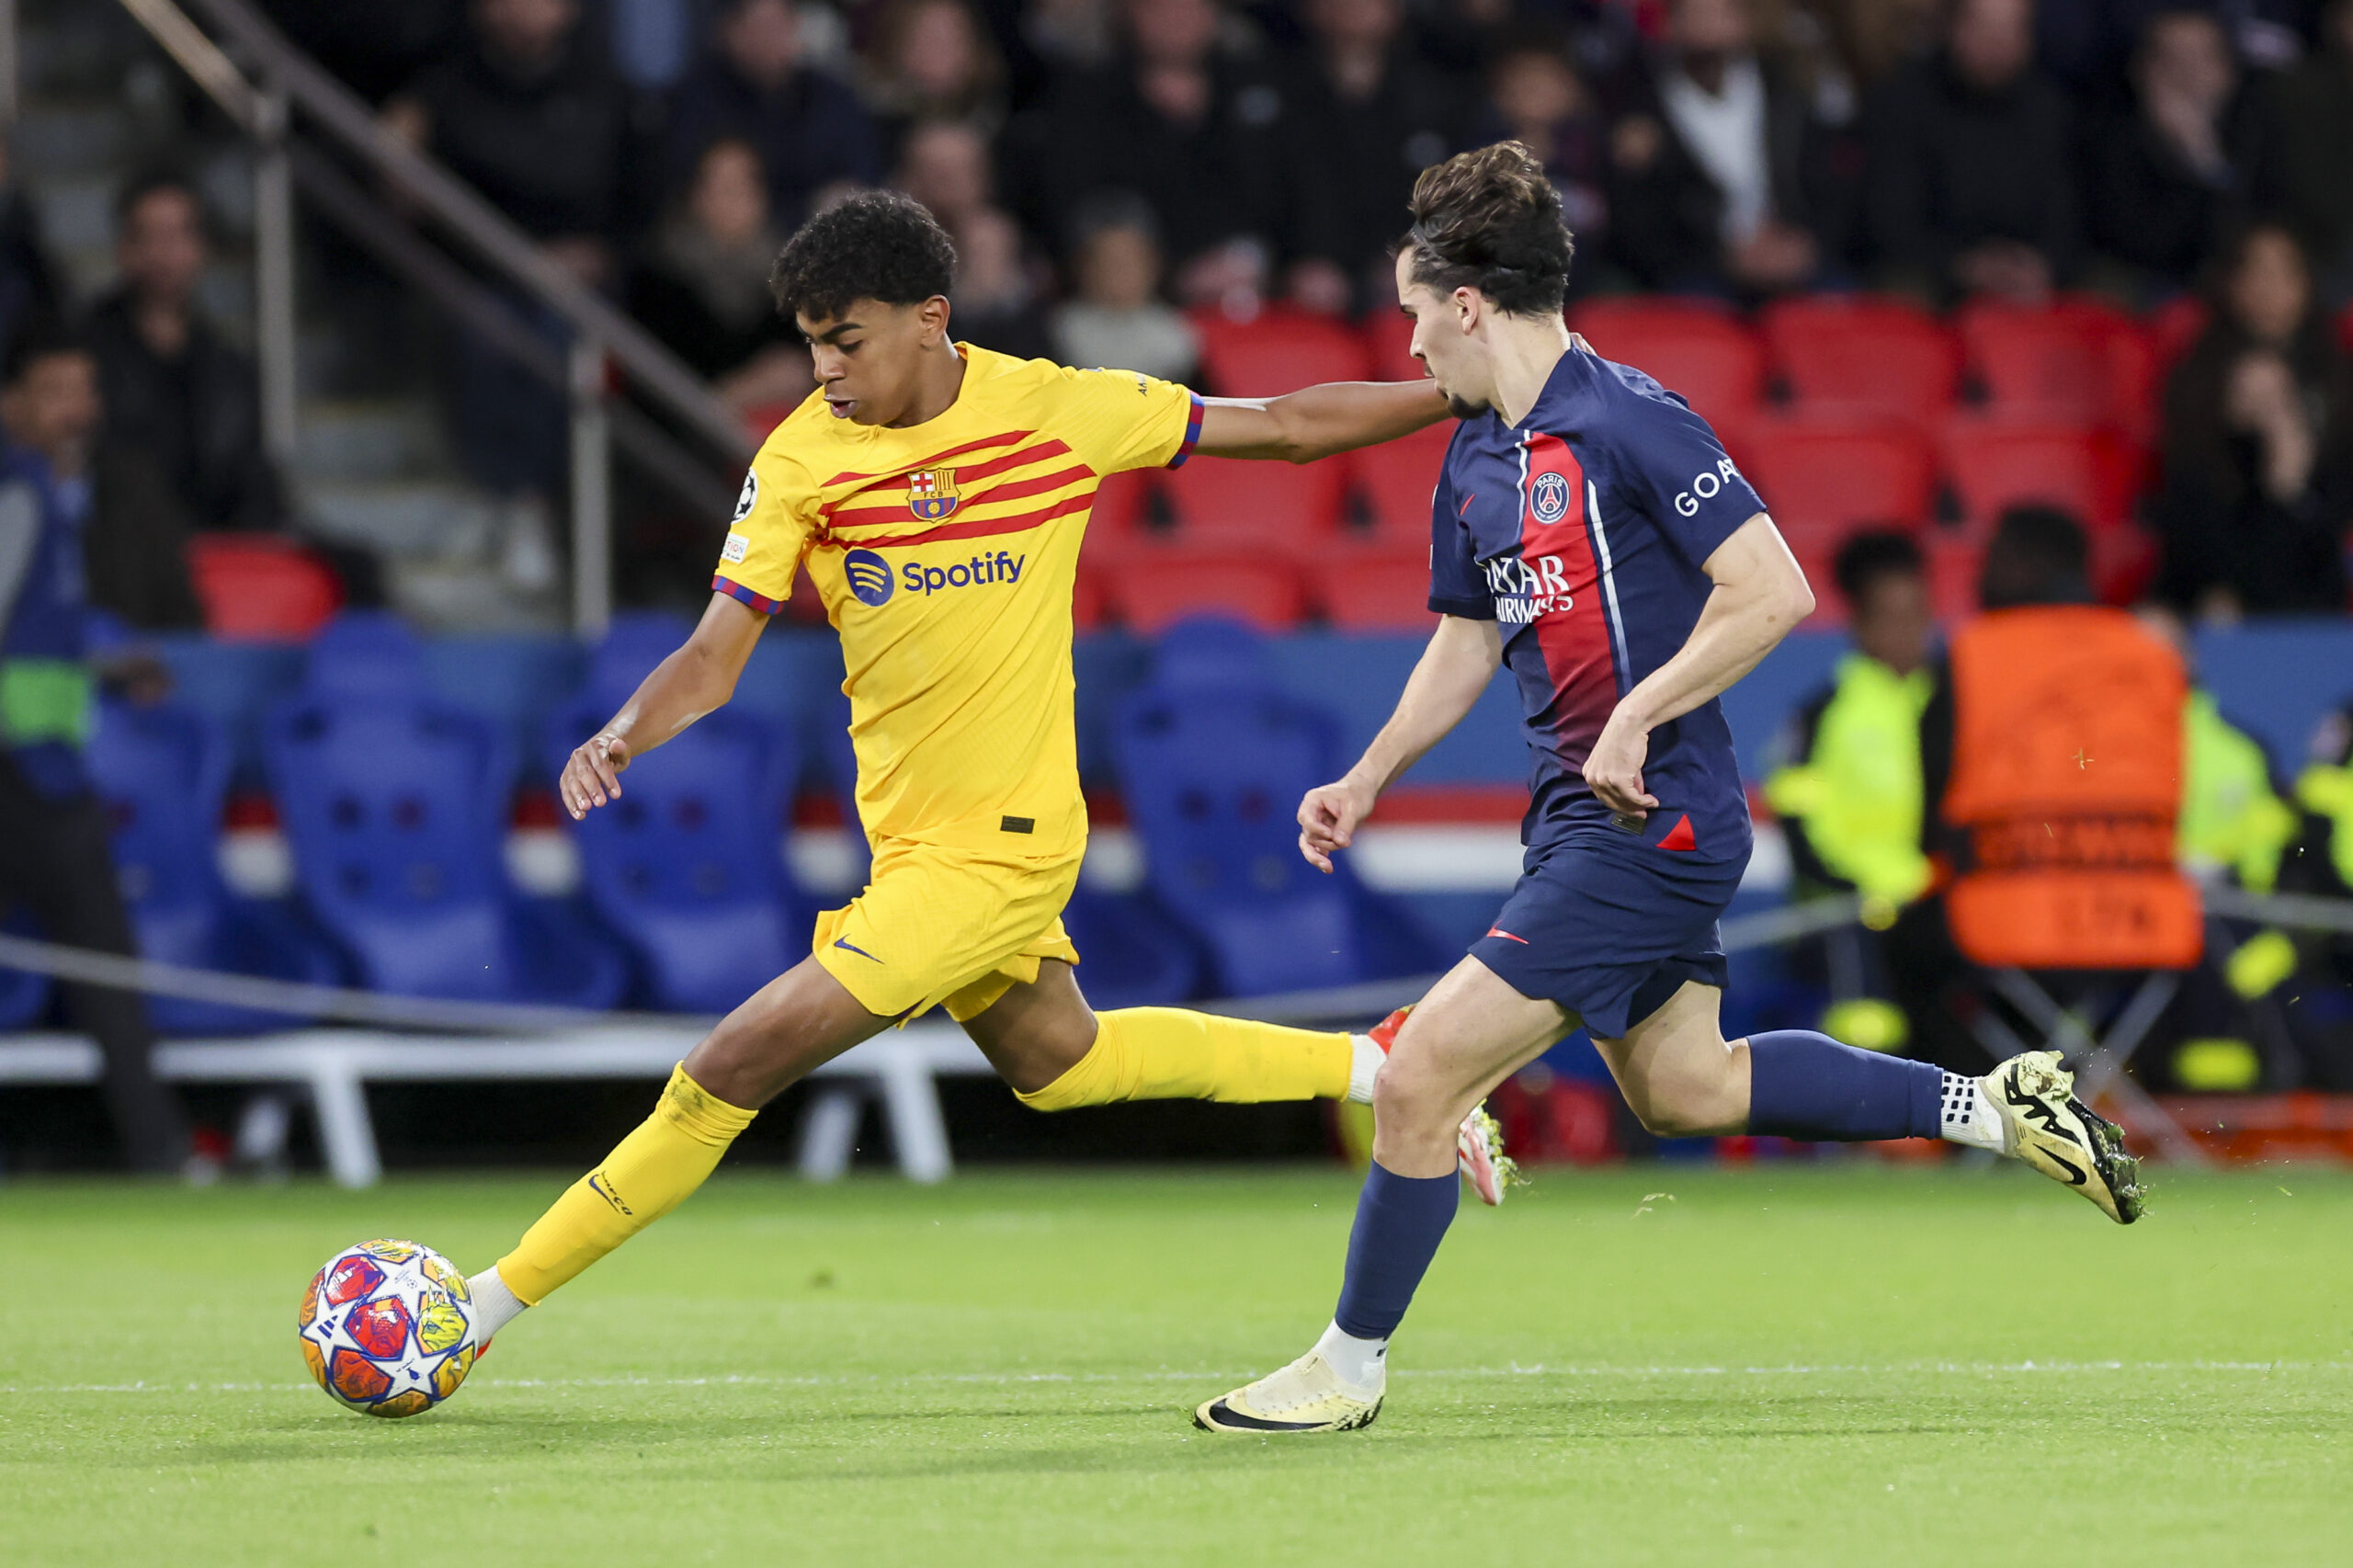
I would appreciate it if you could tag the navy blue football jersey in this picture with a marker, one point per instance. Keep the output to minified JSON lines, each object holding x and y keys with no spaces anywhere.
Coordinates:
{"x":1582,"y":530}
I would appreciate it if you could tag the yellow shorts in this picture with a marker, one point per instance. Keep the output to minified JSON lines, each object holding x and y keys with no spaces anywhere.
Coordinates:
{"x":941,"y":926}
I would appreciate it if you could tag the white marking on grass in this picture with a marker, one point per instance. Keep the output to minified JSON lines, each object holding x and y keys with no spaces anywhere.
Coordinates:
{"x":877,"y":1379}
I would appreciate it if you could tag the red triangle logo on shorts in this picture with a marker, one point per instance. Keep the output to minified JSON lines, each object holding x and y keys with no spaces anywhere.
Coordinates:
{"x":1680,"y":836}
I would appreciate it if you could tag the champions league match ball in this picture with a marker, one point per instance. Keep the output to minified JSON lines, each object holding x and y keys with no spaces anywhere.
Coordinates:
{"x":388,"y":1328}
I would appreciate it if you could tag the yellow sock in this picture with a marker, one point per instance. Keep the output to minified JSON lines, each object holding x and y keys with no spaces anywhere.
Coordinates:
{"x":648,"y":1173}
{"x":1167,"y":1053}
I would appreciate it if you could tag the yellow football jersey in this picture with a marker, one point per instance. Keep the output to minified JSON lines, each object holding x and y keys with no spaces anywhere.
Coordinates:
{"x":945,"y":554}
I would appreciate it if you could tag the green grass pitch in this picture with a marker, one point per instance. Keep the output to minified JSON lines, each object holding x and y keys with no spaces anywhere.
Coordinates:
{"x":1820,"y":1365}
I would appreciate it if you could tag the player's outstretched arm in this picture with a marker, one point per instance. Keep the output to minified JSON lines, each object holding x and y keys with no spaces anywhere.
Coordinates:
{"x":691,"y":683}
{"x":1317,"y":421}
{"x":1760,"y":595}
{"x":1461,"y":658}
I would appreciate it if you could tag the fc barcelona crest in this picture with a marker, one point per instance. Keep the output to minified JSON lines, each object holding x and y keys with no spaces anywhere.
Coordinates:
{"x":931,"y":494}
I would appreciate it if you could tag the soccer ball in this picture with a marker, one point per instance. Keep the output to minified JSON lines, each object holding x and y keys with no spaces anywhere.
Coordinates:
{"x":388,"y":1328}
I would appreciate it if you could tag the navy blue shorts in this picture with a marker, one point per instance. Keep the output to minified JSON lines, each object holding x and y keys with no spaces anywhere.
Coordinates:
{"x":1609,"y":927}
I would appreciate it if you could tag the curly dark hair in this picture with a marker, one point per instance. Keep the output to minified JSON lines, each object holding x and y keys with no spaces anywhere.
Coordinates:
{"x":1490,"y":220}
{"x":878,"y":245}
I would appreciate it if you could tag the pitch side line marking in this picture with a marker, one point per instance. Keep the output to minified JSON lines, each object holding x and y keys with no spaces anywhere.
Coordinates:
{"x":756,"y":1380}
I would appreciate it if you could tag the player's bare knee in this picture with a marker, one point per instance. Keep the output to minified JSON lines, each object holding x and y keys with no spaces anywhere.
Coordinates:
{"x":1412,"y":1091}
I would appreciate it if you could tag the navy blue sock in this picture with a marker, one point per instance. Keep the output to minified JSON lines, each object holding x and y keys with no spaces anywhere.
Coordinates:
{"x":1400,"y":1222}
{"x":1803,"y":1085}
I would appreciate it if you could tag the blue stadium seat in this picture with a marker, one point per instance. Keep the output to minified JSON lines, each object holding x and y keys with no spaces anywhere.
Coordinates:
{"x":1132,"y":953}
{"x":687,"y":865}
{"x":162,"y":772}
{"x":366,"y":656}
{"x":1213,"y":758}
{"x":395,"y":811}
{"x":626,"y":654}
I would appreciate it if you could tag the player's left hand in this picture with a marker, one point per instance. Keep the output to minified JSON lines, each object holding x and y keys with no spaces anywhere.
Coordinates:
{"x":1615,"y":766}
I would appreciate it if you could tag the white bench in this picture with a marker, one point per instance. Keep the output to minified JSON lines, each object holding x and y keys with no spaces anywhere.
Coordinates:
{"x":334,"y":1066}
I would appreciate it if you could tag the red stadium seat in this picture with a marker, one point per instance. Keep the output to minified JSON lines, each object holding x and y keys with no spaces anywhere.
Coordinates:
{"x":1389,"y":347}
{"x":1279,"y":351}
{"x":1954,"y":565}
{"x":1863,"y":355}
{"x":258,"y":588}
{"x":2076,"y":361}
{"x":1824,"y":479}
{"x":1230,"y":503}
{"x":1706,"y":354}
{"x":1258,"y":590}
{"x":1392,"y":483}
{"x":1376,"y":593}
{"x":1994,"y":463}
{"x":2173,"y":326}
{"x":1123,"y":502}
{"x":1090,"y":600}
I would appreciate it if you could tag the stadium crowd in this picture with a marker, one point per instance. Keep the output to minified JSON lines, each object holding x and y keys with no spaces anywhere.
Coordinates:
{"x":1117,"y":174}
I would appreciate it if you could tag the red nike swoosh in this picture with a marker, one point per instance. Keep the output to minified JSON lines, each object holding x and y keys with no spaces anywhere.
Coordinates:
{"x":1466,"y":503}
{"x":1499,"y":931}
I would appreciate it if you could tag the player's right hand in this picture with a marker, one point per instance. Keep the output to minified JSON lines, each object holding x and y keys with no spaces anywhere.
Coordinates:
{"x":593,"y":776}
{"x":1327,"y":822}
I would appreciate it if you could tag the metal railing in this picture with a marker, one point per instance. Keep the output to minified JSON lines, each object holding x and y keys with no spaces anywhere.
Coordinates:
{"x":268,"y":88}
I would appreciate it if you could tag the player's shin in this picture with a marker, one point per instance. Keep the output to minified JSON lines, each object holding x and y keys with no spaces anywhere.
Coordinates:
{"x":1807,"y":1085}
{"x":648,"y":1173}
{"x":1168,"y":1053}
{"x":1400,"y":1222}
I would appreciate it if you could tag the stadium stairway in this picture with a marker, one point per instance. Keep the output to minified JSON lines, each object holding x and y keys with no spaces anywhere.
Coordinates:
{"x":372,"y":467}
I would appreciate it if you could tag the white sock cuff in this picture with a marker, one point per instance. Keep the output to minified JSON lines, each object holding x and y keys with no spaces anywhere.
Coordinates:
{"x":1965,"y":1116}
{"x":1359,"y":1362}
{"x":495,"y":1306}
{"x":1365,"y":1061}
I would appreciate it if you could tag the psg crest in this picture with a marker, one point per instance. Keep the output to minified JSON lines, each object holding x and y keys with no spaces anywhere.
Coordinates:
{"x":1549,"y":498}
{"x":931,"y":494}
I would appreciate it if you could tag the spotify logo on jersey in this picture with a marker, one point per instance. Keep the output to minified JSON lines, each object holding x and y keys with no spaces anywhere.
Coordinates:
{"x":869,"y":576}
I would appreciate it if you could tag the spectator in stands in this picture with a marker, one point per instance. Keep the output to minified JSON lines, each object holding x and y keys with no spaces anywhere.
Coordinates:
{"x":373,"y":50}
{"x":704,"y":287}
{"x":53,"y":848}
{"x":1877,"y":38}
{"x":1192,"y":127}
{"x":2088,"y":45}
{"x":932,"y":60}
{"x":1847,"y":784}
{"x":2310,"y":125}
{"x":997,"y":300}
{"x":2037,"y":565}
{"x":534,"y":118}
{"x":1849,"y":790}
{"x":1380,"y":114}
{"x":653,"y":40}
{"x":1537,"y":96}
{"x":1117,"y":317}
{"x":174,"y":387}
{"x":1070,"y":36}
{"x":1968,"y":187}
{"x":1718,"y":175}
{"x":945,"y":165}
{"x":27,"y":284}
{"x":812,"y":134}
{"x":2258,"y":487}
{"x":2162,"y":181}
